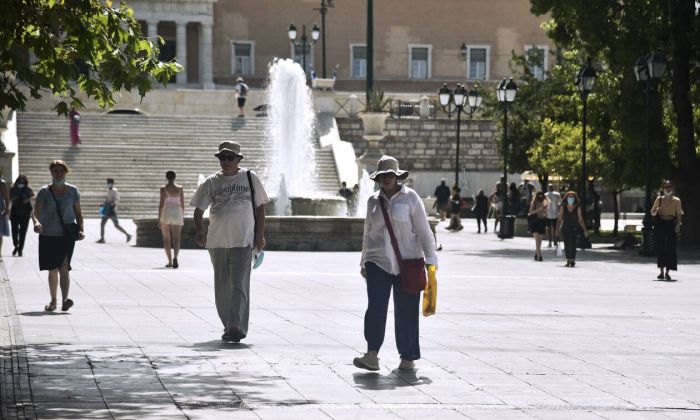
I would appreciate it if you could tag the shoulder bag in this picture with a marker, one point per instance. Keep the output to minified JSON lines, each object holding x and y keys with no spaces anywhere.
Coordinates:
{"x":252,"y":201}
{"x":412,"y":275}
{"x":69,"y":229}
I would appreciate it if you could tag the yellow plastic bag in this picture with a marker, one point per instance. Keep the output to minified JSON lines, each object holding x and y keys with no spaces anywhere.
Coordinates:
{"x":430,"y":292}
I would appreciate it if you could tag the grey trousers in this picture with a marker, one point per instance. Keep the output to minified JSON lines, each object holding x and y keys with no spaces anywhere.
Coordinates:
{"x":232,"y":285}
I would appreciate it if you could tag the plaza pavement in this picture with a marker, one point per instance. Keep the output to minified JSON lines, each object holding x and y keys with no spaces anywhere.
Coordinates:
{"x":512,"y":338}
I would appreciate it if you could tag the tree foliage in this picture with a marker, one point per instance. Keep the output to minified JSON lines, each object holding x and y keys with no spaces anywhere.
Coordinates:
{"x":85,"y":46}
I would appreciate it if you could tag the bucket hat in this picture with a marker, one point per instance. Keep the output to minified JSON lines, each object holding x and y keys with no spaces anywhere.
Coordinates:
{"x":239,"y":79}
{"x":229,"y":146}
{"x":388,"y":164}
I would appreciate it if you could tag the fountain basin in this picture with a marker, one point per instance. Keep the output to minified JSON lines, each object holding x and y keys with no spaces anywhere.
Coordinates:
{"x":303,"y":206}
{"x":282,"y":233}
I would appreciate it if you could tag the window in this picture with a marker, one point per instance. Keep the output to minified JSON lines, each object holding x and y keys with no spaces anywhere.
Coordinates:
{"x":242,"y":58}
{"x":537,"y":60}
{"x":478,"y":62}
{"x":298,"y":56}
{"x":419,"y":61}
{"x":358,"y":58}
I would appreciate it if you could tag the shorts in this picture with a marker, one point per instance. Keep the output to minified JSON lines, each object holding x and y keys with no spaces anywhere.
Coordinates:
{"x":539,"y":226}
{"x":241,"y":101}
{"x":172,"y":215}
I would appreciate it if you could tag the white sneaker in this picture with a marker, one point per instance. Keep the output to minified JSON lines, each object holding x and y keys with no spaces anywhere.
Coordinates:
{"x":369,"y":361}
{"x":407,"y":365}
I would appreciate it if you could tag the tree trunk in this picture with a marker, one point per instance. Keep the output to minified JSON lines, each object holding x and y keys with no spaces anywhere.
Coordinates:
{"x":616,"y":209}
{"x":681,"y":14}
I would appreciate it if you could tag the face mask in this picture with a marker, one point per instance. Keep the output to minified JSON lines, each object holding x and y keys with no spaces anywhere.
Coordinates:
{"x":21,"y":185}
{"x":58,"y":182}
{"x":110,"y":186}
{"x":570,"y":200}
{"x":668,"y":193}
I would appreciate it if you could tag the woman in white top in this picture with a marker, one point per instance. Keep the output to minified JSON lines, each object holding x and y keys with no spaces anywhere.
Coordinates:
{"x":381,"y":269}
{"x":171,"y":211}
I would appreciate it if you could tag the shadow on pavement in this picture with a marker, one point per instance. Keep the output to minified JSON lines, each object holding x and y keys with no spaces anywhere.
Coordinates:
{"x":219,"y":345}
{"x":43,"y":313}
{"x":374,"y":381}
{"x":685,"y":255}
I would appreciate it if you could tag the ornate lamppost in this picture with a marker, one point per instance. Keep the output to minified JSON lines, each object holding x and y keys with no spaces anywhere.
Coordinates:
{"x":505,"y":92}
{"x":585,"y":80}
{"x":648,"y":69}
{"x":458,"y":102}
{"x":292,"y":33}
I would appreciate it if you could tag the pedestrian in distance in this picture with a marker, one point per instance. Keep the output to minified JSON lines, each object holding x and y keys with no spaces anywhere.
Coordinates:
{"x":108,"y":211}
{"x":241,"y":95}
{"x":74,"y":125}
{"x":5,"y":206}
{"x":59,"y":223}
{"x":20,"y":212}
{"x":481,"y":210}
{"x":442,"y":198}
{"x":537,"y":215}
{"x":667,"y":211}
{"x":496,"y":199}
{"x":570,"y":225}
{"x":171,"y":211}
{"x":236,"y":200}
{"x":455,"y":209}
{"x":554,"y":199}
{"x":346,"y":193}
{"x":380,"y":267}
{"x":353,"y":201}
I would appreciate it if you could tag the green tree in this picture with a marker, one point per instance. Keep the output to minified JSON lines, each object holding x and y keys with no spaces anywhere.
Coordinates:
{"x":617,"y":32}
{"x":79,"y":46}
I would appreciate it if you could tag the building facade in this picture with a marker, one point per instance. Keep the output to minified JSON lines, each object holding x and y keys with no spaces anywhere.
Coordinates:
{"x":417,"y":44}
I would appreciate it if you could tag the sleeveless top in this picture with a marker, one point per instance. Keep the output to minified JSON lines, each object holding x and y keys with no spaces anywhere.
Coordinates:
{"x":570,"y":218}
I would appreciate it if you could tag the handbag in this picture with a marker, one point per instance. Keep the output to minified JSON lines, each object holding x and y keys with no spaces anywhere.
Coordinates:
{"x":412,"y":275}
{"x":69,"y":229}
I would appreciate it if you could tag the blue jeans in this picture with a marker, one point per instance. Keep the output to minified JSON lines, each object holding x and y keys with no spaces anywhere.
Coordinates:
{"x":379,"y":286}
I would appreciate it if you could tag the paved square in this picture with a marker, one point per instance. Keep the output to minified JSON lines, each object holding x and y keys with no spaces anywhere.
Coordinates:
{"x":512,"y":339}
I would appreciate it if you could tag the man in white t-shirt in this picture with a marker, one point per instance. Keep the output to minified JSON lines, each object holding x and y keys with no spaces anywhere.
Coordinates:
{"x":552,"y":214}
{"x":234,"y":230}
{"x":109,"y":212}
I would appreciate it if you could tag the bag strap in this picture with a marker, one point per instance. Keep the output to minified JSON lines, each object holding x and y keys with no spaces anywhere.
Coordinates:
{"x":252,"y":201}
{"x":58,"y":210}
{"x":387,"y":222}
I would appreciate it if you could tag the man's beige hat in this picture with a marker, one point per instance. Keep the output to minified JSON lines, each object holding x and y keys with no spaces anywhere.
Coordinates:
{"x":388,"y":164}
{"x":229,"y":146}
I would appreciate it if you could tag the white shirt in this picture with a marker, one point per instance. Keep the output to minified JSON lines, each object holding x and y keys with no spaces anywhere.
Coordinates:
{"x":231,"y":222}
{"x":112,"y":197}
{"x":411,"y":227}
{"x":554,"y":204}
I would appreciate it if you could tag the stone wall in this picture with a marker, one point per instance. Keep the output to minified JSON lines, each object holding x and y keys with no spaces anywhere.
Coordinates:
{"x":430,"y":145}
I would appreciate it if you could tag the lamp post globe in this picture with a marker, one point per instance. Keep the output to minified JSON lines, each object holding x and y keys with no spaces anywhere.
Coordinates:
{"x":656,"y":63}
{"x":511,"y":89}
{"x":641,"y":69}
{"x":315,"y":32}
{"x":474,"y":98}
{"x":501,"y":90}
{"x":460,"y":96}
{"x":444,"y":95}
{"x":292,"y":32}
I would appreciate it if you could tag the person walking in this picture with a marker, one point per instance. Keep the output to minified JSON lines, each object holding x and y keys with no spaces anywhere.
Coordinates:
{"x":537,"y":216}
{"x":513,"y":200}
{"x":455,"y":208}
{"x":236,"y":199}
{"x":5,"y":206}
{"x":496,"y":199}
{"x":74,"y":125}
{"x":667,"y":211}
{"x":59,"y":223}
{"x":346,"y":193}
{"x":171,"y":212}
{"x":20,"y":212}
{"x":241,"y":95}
{"x":554,"y":200}
{"x":381,"y":268}
{"x":570,"y":224}
{"x":442,"y":198}
{"x":481,"y":210}
{"x":109,"y":212}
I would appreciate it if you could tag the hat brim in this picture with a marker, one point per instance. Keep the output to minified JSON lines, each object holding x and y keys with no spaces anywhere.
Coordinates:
{"x":228,"y":150}
{"x":399,"y":174}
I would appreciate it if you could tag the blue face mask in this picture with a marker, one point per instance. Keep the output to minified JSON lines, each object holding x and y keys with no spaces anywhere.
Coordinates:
{"x":570,"y":200}
{"x":20,"y":185}
{"x":110,"y":185}
{"x":58,"y":182}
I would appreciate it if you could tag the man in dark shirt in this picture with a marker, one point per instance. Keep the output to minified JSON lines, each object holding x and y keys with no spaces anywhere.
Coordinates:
{"x":346,"y":193}
{"x":442,"y":194}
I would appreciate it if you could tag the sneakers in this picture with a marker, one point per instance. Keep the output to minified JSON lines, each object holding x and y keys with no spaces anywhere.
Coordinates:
{"x":407,"y":365}
{"x":369,"y":361}
{"x":233,"y":335}
{"x":100,"y":241}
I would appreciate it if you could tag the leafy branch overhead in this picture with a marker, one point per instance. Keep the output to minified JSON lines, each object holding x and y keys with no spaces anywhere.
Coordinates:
{"x":65,"y":47}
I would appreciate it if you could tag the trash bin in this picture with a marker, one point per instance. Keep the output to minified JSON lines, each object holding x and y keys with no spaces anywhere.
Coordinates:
{"x":508,"y":227}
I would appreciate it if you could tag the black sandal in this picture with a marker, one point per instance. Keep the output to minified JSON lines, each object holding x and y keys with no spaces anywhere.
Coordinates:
{"x":66,"y":305}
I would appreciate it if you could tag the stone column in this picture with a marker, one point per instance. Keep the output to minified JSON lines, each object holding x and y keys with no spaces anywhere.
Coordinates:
{"x":205,"y":55}
{"x":151,"y":28}
{"x":181,"y":43}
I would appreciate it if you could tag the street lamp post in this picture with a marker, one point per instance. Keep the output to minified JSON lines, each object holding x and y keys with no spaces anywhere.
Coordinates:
{"x":585,"y":80}
{"x":292,"y":33}
{"x":463,"y":102}
{"x":505,"y":92}
{"x":325,"y":4}
{"x":648,"y":69}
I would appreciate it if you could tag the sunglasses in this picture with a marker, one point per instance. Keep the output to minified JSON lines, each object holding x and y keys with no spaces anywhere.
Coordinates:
{"x":227,"y":158}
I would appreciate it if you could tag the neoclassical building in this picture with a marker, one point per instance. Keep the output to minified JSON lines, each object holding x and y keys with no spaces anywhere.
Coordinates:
{"x":418,"y":44}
